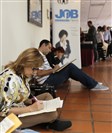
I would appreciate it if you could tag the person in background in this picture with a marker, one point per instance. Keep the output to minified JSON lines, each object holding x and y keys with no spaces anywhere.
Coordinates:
{"x":63,"y":34}
{"x":110,"y":51}
{"x":46,"y":74}
{"x":107,"y":35}
{"x":100,"y":43}
{"x":82,"y":36}
{"x":91,"y":36}
{"x":15,"y":91}
{"x":107,"y":39}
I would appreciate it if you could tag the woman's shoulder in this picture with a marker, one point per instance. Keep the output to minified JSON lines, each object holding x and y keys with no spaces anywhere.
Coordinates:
{"x":9,"y":75}
{"x":7,"y":72}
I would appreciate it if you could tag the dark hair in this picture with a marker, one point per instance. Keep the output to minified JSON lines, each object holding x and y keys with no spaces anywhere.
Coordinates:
{"x":46,"y":42}
{"x":59,"y":49}
{"x":99,"y":28}
{"x":89,"y":22}
{"x":63,"y":32}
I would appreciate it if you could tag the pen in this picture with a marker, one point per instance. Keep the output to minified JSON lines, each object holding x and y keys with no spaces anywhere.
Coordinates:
{"x":34,"y":99}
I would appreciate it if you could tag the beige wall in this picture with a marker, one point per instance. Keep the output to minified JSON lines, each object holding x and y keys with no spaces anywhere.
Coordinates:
{"x":0,"y":36}
{"x":16,"y":33}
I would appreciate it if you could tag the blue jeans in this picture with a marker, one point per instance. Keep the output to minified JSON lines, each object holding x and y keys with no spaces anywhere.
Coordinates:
{"x":73,"y":72}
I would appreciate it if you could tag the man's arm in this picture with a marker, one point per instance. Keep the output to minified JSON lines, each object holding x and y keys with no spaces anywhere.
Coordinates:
{"x":47,"y":72}
{"x":44,"y":72}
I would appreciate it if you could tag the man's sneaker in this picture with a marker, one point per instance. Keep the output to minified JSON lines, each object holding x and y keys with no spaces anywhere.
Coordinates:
{"x":100,"y":83}
{"x":99,"y":87}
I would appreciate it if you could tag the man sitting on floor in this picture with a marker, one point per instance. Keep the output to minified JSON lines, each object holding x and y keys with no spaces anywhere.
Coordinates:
{"x":46,"y":74}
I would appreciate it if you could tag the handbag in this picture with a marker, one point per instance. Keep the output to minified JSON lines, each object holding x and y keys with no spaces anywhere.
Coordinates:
{"x":37,"y":89}
{"x":105,"y":46}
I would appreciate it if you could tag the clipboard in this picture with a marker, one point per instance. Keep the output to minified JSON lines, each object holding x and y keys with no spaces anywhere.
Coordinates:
{"x":62,"y":67}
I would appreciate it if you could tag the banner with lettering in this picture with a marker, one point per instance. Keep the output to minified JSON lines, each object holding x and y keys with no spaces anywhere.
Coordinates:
{"x":66,"y":28}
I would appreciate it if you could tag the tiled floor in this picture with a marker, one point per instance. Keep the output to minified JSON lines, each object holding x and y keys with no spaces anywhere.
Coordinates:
{"x":90,"y":112}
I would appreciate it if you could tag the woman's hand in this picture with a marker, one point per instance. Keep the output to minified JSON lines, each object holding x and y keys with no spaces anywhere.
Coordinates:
{"x":36,"y":106}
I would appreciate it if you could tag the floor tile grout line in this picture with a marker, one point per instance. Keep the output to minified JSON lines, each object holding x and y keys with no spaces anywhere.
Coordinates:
{"x":64,"y":100}
{"x":92,"y":120}
{"x":75,"y":103}
{"x":88,"y":111}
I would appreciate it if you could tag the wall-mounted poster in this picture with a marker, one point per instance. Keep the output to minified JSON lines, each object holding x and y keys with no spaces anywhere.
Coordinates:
{"x":35,"y":12}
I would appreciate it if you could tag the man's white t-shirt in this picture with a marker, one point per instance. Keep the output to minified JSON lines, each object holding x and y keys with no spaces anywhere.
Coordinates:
{"x":45,"y":66}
